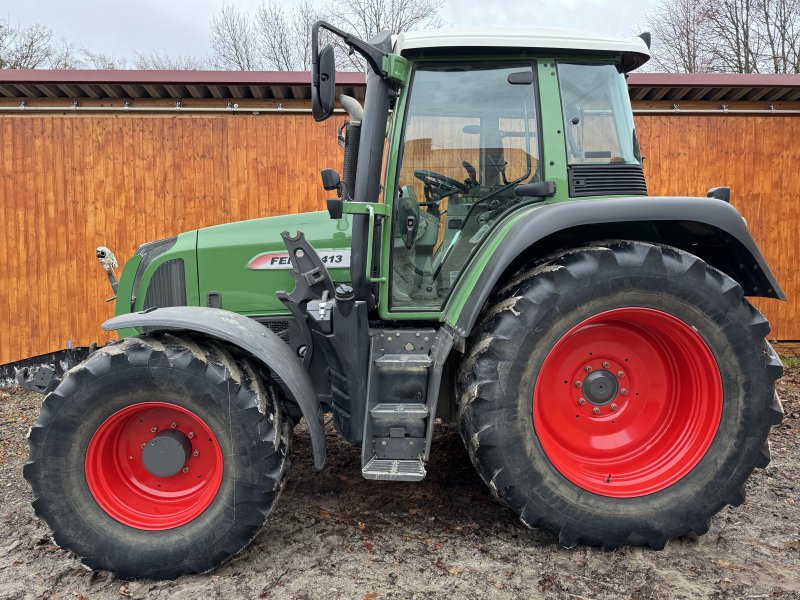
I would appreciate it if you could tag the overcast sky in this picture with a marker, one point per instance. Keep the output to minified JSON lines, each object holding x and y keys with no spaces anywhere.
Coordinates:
{"x":181,"y":27}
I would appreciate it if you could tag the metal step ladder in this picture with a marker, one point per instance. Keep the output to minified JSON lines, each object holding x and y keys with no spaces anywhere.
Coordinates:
{"x":401,"y":403}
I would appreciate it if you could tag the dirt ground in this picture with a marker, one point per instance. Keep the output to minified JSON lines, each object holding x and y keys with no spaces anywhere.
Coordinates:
{"x":335,"y":535}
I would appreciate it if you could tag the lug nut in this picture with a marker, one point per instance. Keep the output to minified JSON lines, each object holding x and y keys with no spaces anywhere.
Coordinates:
{"x":191,"y":434}
{"x":596,"y":410}
{"x":620,"y":374}
{"x":185,"y":469}
{"x":143,"y":445}
{"x":588,"y":368}
{"x":153,"y":429}
{"x":578,"y":384}
{"x":606,"y":364}
{"x":196,"y":453}
{"x":581,"y":401}
{"x":174,"y":424}
{"x":613,"y":406}
{"x":624,"y":391}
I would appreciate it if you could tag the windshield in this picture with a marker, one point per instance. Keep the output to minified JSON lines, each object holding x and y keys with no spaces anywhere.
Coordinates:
{"x":598,"y":122}
{"x":470,"y":138}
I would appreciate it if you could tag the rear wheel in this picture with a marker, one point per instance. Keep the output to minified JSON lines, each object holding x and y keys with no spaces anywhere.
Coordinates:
{"x":619,"y":394}
{"x":158,"y":457}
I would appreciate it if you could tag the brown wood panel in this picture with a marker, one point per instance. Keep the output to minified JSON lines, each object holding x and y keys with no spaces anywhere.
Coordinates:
{"x":758,"y":158}
{"x":70,"y":183}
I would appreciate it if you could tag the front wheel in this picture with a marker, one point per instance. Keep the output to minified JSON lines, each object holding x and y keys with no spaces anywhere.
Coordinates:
{"x":619,"y":394}
{"x":158,"y":457}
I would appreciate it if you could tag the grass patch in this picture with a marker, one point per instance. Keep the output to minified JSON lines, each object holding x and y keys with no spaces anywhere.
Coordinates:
{"x":791,"y":362}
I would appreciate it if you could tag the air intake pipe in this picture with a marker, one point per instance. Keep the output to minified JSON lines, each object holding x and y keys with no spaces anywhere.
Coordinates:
{"x":352,"y":137}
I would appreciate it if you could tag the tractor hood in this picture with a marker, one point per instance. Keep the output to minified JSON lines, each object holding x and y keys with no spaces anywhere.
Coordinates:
{"x":241,"y":265}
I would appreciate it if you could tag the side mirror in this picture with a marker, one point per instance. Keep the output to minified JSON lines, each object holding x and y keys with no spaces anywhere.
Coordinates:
{"x":331,"y":180}
{"x":720,"y":193}
{"x":323,"y":84}
{"x":539,"y":189}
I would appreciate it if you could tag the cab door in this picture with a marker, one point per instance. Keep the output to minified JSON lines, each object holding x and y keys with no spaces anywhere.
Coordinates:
{"x":470,"y":136}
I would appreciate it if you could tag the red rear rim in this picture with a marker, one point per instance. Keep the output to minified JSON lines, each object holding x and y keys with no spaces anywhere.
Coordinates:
{"x":627,"y":402}
{"x":118,"y":475}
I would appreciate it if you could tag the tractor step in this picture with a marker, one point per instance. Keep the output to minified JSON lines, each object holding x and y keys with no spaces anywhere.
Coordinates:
{"x":404,"y":361}
{"x":399,"y":411}
{"x":394,"y":470}
{"x":402,"y":392}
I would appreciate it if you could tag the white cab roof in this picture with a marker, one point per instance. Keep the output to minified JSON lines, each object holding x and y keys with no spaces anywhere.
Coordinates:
{"x":635,"y":49}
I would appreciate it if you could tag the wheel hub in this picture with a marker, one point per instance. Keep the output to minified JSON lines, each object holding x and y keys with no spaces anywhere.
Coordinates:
{"x":600,"y":387}
{"x":154,"y":465}
{"x":627,"y":402}
{"x":167,"y":453}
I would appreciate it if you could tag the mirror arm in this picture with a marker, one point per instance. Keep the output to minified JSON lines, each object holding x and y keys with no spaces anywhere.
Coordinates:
{"x":373,"y":55}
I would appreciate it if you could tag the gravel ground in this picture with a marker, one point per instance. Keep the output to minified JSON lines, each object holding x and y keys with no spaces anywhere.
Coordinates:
{"x":335,"y":535}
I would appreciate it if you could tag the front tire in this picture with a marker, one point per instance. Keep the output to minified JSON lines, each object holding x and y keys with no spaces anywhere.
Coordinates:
{"x":619,"y":394}
{"x":158,"y":457}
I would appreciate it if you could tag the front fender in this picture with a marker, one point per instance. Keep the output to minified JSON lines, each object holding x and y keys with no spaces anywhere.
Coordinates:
{"x":254,"y":339}
{"x":675,"y":221}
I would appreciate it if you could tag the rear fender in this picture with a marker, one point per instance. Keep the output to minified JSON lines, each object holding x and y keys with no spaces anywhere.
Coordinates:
{"x":253,"y":339}
{"x":707,"y":227}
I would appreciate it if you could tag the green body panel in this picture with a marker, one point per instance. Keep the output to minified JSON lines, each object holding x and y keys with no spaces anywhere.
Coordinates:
{"x":396,"y":68}
{"x":554,"y":153}
{"x":224,"y":252}
{"x":216,"y":260}
{"x":125,"y":292}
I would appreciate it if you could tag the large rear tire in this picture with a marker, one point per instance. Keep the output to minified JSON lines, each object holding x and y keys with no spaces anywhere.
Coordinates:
{"x":619,"y":394}
{"x":158,"y":456}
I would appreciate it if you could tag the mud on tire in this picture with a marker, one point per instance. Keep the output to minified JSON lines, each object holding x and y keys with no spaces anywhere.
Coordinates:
{"x":205,"y":386}
{"x":529,"y":318}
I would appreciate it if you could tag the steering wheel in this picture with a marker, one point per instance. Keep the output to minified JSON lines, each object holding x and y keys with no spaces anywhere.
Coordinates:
{"x":439,"y":185}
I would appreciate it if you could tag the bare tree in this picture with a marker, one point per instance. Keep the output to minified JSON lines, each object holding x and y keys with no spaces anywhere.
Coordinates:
{"x":780,"y":21}
{"x":739,"y":36}
{"x":26,"y":48}
{"x":284,"y":39}
{"x":366,"y":18}
{"x":159,"y":60}
{"x":680,"y":32}
{"x":233,"y":40}
{"x":736,"y":41}
{"x":278,"y":38}
{"x":99,"y":60}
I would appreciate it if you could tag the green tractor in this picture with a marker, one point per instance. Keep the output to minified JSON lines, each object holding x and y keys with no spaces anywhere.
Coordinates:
{"x":489,"y":257}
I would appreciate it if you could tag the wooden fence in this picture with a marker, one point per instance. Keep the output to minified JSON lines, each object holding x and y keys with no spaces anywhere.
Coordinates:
{"x":71,"y":183}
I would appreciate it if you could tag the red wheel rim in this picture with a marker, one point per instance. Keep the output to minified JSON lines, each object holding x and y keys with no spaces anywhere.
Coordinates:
{"x":627,"y":402}
{"x":123,"y":486}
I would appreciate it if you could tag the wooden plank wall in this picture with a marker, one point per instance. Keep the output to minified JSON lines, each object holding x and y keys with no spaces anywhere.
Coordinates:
{"x":758,"y":157}
{"x":71,"y":183}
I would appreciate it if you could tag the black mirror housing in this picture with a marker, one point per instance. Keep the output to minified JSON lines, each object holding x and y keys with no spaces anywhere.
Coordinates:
{"x":720,"y":193}
{"x":539,"y":189}
{"x":331,"y":180}
{"x":323,"y":84}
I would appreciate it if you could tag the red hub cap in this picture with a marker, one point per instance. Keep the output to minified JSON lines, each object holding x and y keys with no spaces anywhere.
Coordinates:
{"x":154,"y":466}
{"x":627,"y":402}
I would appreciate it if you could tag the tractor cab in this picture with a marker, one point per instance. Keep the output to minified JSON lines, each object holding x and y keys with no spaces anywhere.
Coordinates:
{"x":465,"y":147}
